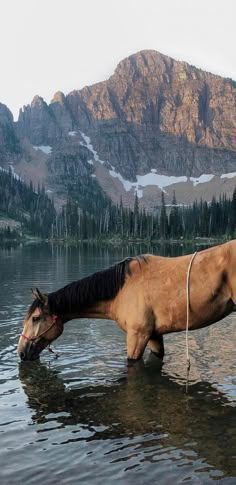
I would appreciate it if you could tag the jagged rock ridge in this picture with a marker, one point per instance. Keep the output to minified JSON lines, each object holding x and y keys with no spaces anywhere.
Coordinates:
{"x":9,"y":143}
{"x":153,"y":113}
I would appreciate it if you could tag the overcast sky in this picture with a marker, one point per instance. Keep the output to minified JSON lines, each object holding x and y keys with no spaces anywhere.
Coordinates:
{"x":51,"y":45}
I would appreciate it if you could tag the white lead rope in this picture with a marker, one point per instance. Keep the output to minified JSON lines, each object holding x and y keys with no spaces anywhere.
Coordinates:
{"x":188,"y":307}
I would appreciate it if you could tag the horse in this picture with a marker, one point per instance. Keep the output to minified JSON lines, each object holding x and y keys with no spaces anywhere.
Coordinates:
{"x":145,"y":295}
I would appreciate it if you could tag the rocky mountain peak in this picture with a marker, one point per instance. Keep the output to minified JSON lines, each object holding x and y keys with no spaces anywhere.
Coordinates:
{"x":6,"y":116}
{"x":38,"y":102}
{"x":146,"y":62}
{"x":59,"y":97}
{"x":9,"y":144}
{"x":61,"y":112}
{"x":153,"y":115}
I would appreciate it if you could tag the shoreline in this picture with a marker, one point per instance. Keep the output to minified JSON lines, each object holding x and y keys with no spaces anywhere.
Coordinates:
{"x":113,"y":241}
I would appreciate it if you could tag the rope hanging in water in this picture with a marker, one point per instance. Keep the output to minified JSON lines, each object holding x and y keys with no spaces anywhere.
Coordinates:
{"x":188,"y":306}
{"x":56,"y":355}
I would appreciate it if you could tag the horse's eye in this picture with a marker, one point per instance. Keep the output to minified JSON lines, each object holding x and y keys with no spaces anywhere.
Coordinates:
{"x":36,"y":319}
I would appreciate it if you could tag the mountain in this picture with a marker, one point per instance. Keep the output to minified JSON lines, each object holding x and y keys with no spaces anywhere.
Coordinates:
{"x":155,"y":125}
{"x":9,"y":143}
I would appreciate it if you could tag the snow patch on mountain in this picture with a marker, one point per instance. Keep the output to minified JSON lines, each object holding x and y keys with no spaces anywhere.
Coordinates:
{"x":202,"y":179}
{"x":87,"y":143}
{"x":44,"y":148}
{"x":146,"y":180}
{"x":228,"y":175}
{"x":149,"y":179}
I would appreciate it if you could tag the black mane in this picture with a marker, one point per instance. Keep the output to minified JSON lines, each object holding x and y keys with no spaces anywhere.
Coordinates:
{"x":103,"y":285}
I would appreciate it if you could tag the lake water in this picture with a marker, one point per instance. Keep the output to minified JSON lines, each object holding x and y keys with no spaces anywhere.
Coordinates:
{"x":88,"y":418}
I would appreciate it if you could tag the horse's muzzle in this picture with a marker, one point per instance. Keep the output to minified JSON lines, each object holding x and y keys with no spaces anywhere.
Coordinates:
{"x":28,"y":351}
{"x":28,"y":356}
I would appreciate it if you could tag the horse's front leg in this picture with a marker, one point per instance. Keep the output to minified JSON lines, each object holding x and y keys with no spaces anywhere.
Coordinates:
{"x":156,"y":345}
{"x":136,"y":344}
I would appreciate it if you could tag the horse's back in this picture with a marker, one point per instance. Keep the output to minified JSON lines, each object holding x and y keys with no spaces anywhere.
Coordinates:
{"x":155,"y":289}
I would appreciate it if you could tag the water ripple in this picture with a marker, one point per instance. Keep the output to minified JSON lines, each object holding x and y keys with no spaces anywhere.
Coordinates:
{"x":88,"y":410}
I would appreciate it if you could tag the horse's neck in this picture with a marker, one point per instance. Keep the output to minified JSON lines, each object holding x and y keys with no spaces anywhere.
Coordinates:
{"x":99,"y":310}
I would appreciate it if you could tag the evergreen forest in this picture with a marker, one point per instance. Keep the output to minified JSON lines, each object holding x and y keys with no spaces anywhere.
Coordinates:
{"x":101,"y":220}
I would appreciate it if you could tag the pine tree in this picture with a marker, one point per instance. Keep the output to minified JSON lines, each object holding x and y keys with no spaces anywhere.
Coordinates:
{"x":163,"y":219}
{"x":232,"y":215}
{"x":136,"y":215}
{"x":175,"y":221}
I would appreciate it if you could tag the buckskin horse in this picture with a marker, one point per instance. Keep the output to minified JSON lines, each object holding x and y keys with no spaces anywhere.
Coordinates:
{"x":145,"y":295}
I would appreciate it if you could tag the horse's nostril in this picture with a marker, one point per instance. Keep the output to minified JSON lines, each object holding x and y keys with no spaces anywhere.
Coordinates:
{"x":22,"y":355}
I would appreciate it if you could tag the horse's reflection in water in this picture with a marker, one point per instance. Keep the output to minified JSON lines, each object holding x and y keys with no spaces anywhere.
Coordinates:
{"x":144,"y":402}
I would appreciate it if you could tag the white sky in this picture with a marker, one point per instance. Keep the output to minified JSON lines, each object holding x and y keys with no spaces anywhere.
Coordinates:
{"x":51,"y":45}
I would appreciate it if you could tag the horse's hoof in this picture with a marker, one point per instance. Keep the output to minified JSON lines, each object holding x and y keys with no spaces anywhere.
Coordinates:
{"x":159,"y":355}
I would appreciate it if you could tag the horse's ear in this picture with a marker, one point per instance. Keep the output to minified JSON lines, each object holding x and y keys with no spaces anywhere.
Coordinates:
{"x":39,"y":296}
{"x":33,"y":291}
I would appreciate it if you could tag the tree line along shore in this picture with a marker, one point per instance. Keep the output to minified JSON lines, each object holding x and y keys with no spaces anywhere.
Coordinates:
{"x":29,"y":212}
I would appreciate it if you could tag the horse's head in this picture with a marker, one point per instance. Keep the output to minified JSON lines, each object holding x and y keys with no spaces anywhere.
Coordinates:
{"x":40,"y":328}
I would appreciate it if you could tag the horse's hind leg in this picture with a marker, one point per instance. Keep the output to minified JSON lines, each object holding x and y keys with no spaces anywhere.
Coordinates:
{"x":156,"y":345}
